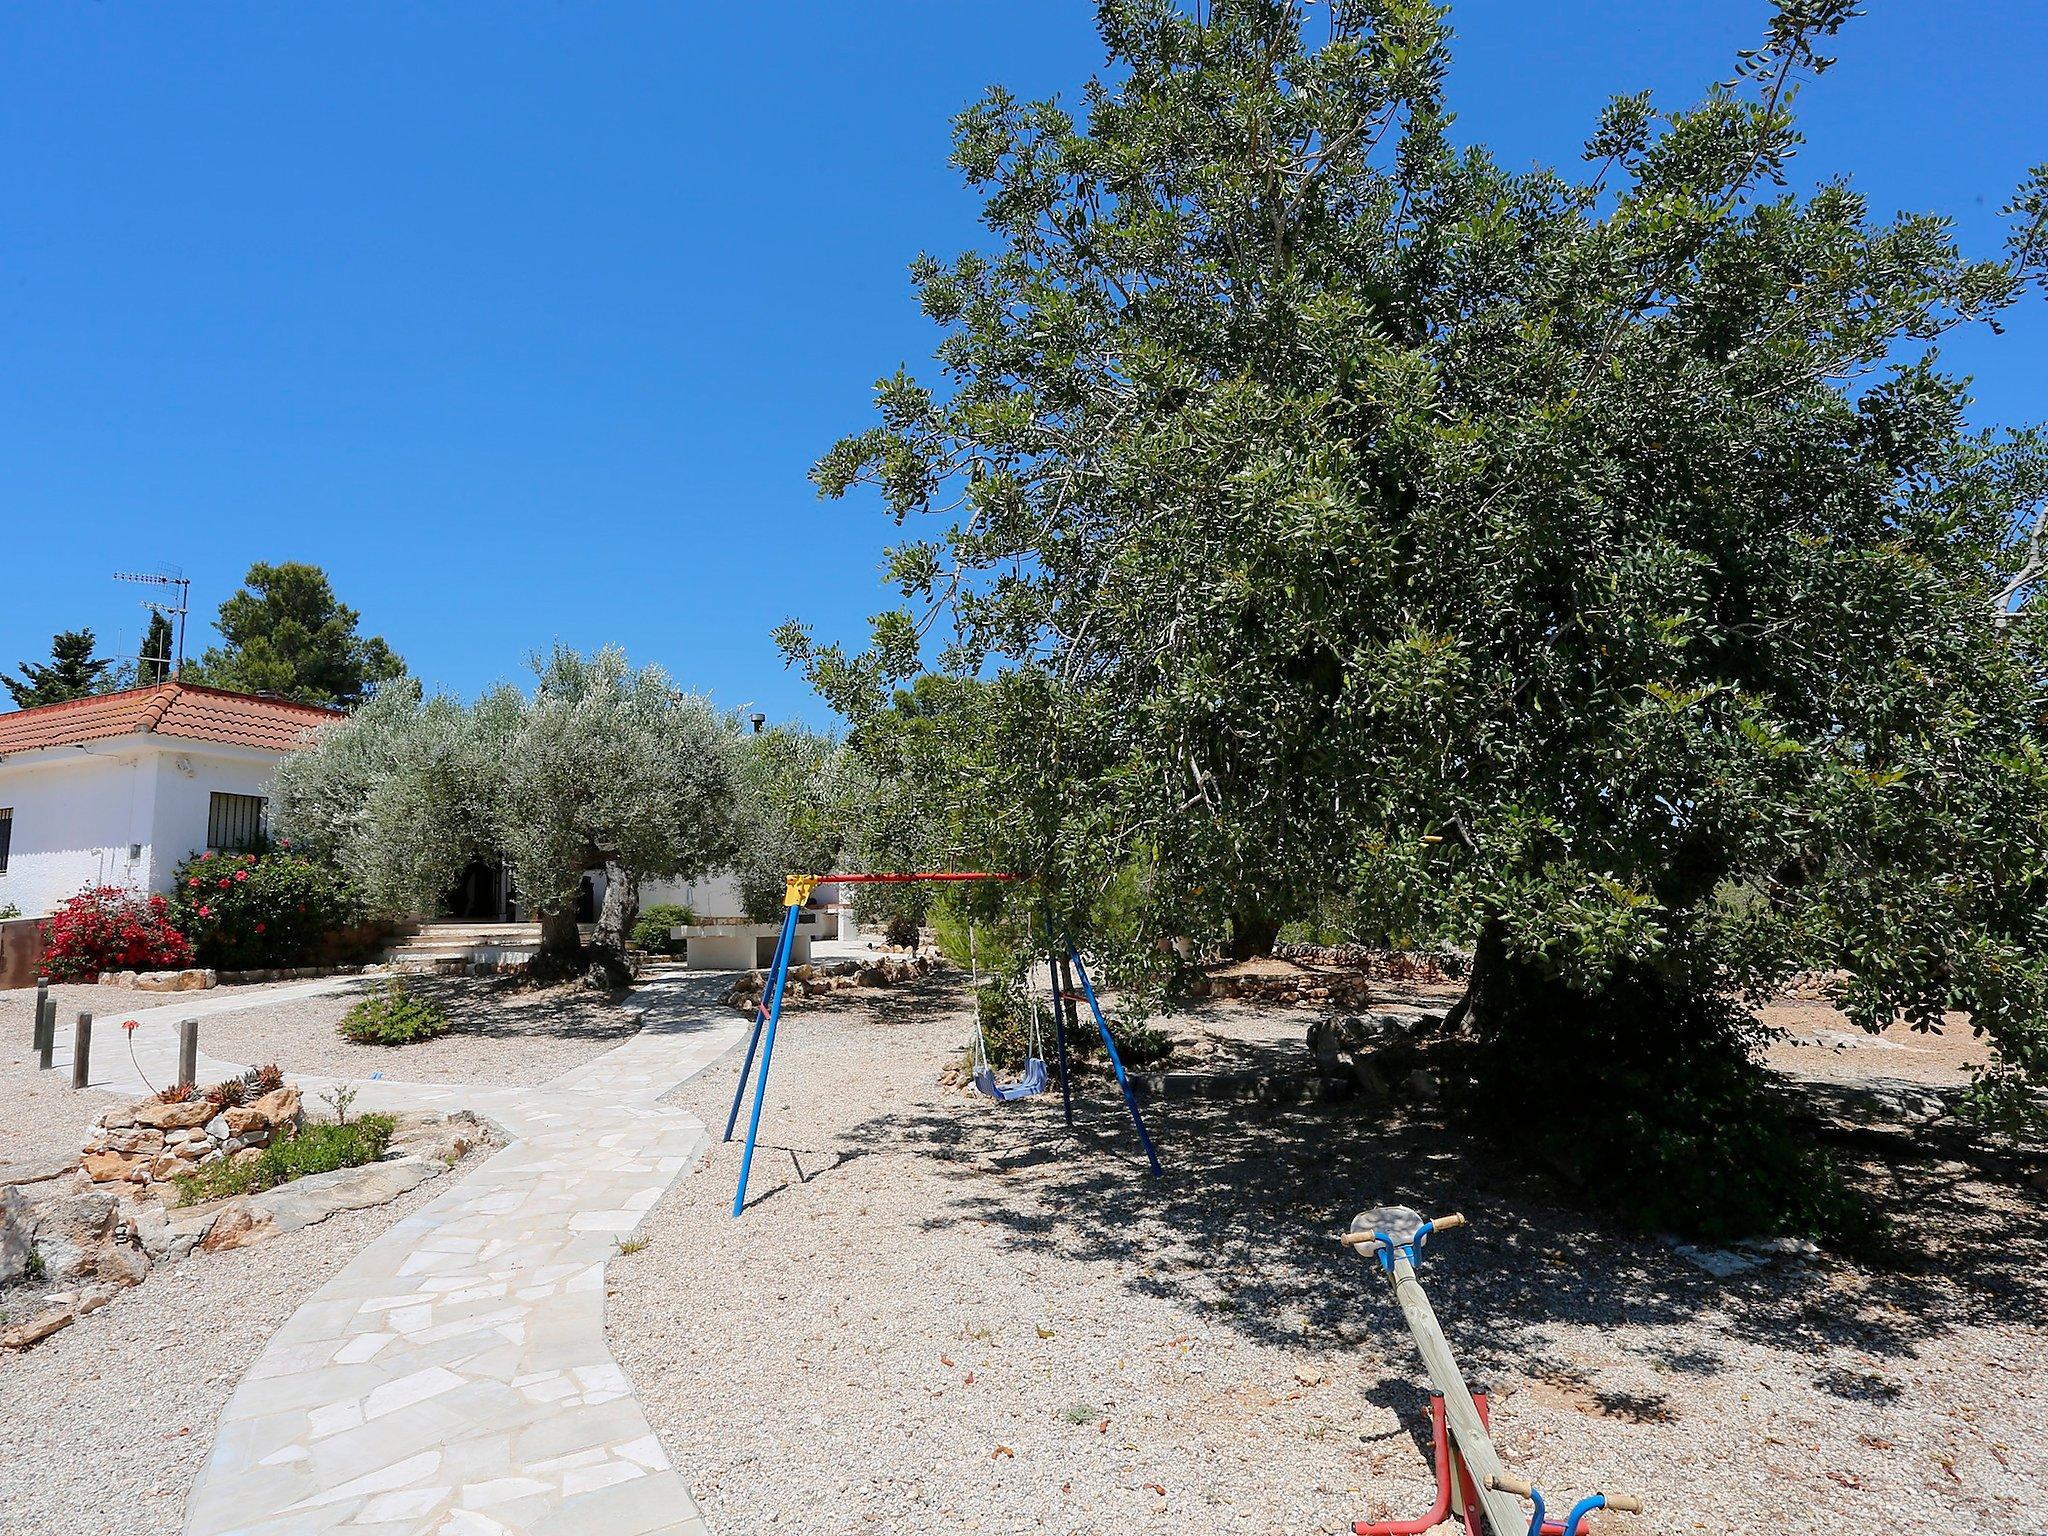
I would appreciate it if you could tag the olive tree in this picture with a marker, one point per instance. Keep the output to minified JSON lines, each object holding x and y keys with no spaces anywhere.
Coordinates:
{"x":602,"y":765}
{"x":1593,"y":567}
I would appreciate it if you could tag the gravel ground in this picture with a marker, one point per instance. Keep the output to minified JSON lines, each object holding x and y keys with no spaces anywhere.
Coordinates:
{"x":505,"y":1034}
{"x":104,"y":1426}
{"x":958,"y":1318}
{"x":43,"y":1118}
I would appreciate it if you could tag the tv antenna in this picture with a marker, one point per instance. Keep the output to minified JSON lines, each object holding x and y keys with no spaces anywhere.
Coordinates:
{"x":167,"y":578}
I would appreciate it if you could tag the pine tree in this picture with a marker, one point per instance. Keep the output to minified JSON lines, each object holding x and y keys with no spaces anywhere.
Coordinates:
{"x":71,"y":673}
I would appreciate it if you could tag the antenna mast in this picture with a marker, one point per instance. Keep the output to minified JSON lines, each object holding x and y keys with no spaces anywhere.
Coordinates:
{"x":167,"y":577}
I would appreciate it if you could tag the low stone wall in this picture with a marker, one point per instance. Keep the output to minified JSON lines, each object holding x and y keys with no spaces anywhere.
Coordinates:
{"x":157,"y":1143}
{"x":195,"y":979}
{"x":1292,"y":989}
{"x":827,"y":977}
{"x":21,"y":950}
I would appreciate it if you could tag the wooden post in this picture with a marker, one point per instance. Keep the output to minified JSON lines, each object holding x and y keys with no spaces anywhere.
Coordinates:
{"x":46,"y":1033}
{"x":81,"y":1052}
{"x":1503,"y":1513}
{"x":188,"y":1051}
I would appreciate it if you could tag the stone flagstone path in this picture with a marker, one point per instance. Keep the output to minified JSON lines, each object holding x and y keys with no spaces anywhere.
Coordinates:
{"x":453,"y":1379}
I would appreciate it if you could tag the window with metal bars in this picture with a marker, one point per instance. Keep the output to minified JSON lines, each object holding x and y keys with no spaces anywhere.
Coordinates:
{"x":234,"y":823}
{"x":6,"y":834}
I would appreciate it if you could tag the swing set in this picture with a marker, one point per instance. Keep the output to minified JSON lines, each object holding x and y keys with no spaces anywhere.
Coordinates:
{"x":1063,"y":963}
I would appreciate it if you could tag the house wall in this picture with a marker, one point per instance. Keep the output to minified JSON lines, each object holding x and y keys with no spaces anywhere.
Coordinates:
{"x":185,"y":781}
{"x":713,"y":896}
{"x":74,"y":819}
{"x":108,"y":816}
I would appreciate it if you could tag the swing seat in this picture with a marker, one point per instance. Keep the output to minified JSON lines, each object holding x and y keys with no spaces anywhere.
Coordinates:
{"x":1032,"y":1082}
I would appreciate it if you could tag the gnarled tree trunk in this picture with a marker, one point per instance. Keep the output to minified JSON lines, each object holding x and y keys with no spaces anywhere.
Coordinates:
{"x":621,"y":907}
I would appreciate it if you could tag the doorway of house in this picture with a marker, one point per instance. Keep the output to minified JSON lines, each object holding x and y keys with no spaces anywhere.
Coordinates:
{"x":482,"y":893}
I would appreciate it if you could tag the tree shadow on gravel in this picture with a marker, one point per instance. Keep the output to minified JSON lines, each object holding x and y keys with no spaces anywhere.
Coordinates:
{"x":1240,"y":1230}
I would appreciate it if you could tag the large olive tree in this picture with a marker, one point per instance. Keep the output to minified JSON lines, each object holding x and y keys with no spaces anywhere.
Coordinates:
{"x":603,"y":765}
{"x":1593,"y":567}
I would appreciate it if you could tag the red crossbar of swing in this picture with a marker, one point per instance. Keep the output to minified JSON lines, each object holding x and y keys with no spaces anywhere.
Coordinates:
{"x":969,"y":874}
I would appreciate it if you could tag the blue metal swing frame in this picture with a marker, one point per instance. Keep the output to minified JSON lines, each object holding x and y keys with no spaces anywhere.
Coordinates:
{"x":797,"y":891}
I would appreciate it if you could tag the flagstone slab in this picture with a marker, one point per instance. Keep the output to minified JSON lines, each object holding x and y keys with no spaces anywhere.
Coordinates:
{"x":453,"y":1378}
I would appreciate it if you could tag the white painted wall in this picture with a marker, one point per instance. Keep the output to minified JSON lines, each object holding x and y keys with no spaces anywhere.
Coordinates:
{"x":74,"y":818}
{"x":713,"y":896}
{"x":120,"y":813}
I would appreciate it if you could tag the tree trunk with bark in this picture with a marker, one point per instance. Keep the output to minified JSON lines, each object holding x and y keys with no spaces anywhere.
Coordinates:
{"x":561,"y":940}
{"x":1252,"y":933}
{"x":621,"y":907}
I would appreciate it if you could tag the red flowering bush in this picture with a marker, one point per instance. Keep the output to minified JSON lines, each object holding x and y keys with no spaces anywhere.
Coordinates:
{"x":106,"y":928}
{"x":254,"y":911}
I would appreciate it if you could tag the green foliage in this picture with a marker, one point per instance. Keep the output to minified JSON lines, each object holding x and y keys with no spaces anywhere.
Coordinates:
{"x":1334,"y":513}
{"x":603,"y":764}
{"x":795,"y":798}
{"x":70,"y":673}
{"x":651,"y":930}
{"x":8,"y":910}
{"x":287,"y":634}
{"x":313,"y":1149}
{"x":249,"y":911}
{"x":398,"y":1016}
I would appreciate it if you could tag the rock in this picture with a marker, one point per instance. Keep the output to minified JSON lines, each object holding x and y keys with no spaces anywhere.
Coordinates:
{"x":136,"y":1140}
{"x":117,"y":1118}
{"x":17,"y":1231}
{"x":72,"y":1232}
{"x":110,"y":1167}
{"x":1423,"y":1086}
{"x":36,"y":1170}
{"x":38,"y":1328}
{"x":235,"y":1225}
{"x":122,"y":1265}
{"x":243,"y":1119}
{"x":245,"y":1155}
{"x":173,"y":1117}
{"x":188,"y":1137}
{"x":172,"y":981}
{"x":871,"y":976}
{"x":217,"y":1128}
{"x":91,"y":1299}
{"x":1721,"y":1263}
{"x":151,"y":1224}
{"x":318,"y":1196}
{"x":276,"y":1109}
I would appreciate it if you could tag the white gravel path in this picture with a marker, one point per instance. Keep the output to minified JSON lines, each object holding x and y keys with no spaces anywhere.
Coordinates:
{"x":957,"y":1320}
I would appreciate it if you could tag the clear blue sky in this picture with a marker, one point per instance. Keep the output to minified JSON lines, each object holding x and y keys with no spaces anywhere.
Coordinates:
{"x":527,"y":320}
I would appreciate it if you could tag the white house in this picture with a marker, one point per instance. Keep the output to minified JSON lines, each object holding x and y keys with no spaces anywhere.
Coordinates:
{"x":118,"y":788}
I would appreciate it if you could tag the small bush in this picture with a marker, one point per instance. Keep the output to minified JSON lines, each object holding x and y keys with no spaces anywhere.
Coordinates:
{"x":106,"y":928}
{"x":397,"y":1017}
{"x":315,"y":1149}
{"x":251,"y":911}
{"x":902,"y":931}
{"x":1006,"y":1027}
{"x":651,"y":930}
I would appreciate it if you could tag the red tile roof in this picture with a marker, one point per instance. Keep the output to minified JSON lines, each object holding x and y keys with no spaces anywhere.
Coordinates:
{"x":183,"y":710}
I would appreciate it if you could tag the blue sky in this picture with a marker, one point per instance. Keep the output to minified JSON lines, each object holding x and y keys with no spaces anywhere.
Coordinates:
{"x":526,"y":321}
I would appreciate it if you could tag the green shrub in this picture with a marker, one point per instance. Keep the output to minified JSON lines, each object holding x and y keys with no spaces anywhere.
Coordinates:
{"x":1006,"y":1029}
{"x":396,"y":1017}
{"x":651,"y":930}
{"x":254,"y":911}
{"x":315,"y":1149}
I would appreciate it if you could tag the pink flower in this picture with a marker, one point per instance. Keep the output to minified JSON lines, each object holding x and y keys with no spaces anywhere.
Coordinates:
{"x":129,"y":1025}
{"x":193,"y":883}
{"x":206,"y":911}
{"x":259,"y":927}
{"x":241,"y":874}
{"x":206,"y":855}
